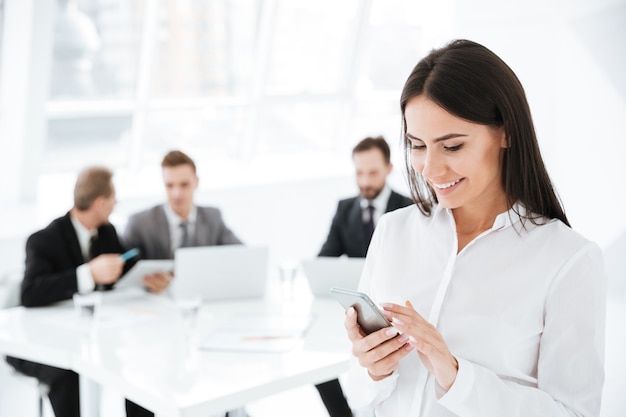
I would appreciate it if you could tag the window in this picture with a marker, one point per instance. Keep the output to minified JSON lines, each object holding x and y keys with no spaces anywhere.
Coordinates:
{"x":229,"y":80}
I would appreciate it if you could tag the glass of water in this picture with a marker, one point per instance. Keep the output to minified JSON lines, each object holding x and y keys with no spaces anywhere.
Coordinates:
{"x":189,"y":309}
{"x":287,"y":272}
{"x":87,"y":305}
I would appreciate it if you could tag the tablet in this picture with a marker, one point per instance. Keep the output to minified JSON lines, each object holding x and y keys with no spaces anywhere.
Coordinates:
{"x":134,"y":277}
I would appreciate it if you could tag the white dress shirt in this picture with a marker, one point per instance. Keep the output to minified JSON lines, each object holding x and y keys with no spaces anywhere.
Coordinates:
{"x":379,"y":203}
{"x":522,"y":310}
{"x":84,"y":279}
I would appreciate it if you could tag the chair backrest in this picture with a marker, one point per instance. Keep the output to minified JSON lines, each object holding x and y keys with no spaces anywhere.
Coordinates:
{"x":10,"y":282}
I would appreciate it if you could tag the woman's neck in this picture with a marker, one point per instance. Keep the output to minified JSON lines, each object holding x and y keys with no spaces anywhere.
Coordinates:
{"x":472,"y":221}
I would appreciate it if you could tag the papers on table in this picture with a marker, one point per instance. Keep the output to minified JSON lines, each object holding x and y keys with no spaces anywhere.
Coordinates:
{"x":257,"y":333}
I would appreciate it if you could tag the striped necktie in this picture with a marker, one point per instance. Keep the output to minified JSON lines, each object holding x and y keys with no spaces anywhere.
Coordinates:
{"x":185,"y":242}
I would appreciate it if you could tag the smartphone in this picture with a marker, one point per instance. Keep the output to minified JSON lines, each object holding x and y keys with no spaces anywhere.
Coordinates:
{"x":129,"y":254}
{"x":369,"y":317}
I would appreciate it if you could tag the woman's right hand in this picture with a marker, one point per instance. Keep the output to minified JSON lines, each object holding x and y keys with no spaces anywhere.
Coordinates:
{"x":380,"y":351}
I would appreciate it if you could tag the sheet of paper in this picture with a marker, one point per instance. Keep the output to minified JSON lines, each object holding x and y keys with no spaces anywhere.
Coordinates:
{"x":257,"y":333}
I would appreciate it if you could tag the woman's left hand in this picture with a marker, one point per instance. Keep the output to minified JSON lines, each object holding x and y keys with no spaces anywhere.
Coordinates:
{"x":428,"y":342}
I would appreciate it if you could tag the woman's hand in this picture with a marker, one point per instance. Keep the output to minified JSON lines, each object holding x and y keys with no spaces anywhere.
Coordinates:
{"x":380,"y":351}
{"x":428,"y":342}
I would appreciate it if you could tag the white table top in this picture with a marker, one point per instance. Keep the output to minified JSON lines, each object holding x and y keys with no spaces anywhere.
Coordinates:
{"x":140,"y":347}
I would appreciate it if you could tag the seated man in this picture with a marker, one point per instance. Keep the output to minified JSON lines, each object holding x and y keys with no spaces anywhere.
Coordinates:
{"x":353,"y":224}
{"x":158,"y":231}
{"x":75,"y":253}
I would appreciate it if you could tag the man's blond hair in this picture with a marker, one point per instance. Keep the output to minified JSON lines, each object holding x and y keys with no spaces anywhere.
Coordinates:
{"x":92,"y":182}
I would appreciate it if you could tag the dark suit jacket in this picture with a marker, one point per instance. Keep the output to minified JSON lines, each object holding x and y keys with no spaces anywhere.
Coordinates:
{"x":149,"y":231}
{"x":52,"y":256}
{"x":347,"y":236}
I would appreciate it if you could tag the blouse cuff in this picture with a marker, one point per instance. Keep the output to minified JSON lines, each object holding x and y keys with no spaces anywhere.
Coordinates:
{"x":460,"y":389}
{"x":367,"y":394}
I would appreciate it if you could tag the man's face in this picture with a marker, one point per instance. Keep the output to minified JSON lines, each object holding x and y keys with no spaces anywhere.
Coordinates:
{"x":371,"y":172}
{"x":180,"y":184}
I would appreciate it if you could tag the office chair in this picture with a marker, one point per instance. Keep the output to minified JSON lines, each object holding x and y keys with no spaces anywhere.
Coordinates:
{"x":10,"y":297}
{"x":42,"y":389}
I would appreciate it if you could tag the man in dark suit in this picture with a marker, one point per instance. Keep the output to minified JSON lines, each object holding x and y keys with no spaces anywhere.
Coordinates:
{"x":352,"y":227}
{"x":158,"y":231}
{"x":76,"y":253}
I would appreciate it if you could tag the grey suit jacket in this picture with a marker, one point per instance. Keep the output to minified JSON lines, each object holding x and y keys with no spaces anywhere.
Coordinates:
{"x":150,"y":233}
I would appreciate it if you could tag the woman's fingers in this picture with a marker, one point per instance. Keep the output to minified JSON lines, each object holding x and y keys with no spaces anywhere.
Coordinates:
{"x":404,"y":313}
{"x":352,"y":327}
{"x":379,"y":351}
{"x":426,"y":340}
{"x":389,"y":363}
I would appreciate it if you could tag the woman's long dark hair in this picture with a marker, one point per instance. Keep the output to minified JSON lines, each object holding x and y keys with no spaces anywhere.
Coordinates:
{"x":471,"y":82}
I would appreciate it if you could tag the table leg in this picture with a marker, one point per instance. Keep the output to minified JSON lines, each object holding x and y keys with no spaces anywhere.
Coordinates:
{"x":89,"y":397}
{"x":238,"y":412}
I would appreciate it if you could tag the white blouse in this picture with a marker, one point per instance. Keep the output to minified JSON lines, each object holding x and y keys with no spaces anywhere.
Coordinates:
{"x":522,"y":310}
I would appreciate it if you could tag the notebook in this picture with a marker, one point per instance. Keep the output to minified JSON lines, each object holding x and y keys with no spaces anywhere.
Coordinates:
{"x":323,"y":273}
{"x":220,"y":272}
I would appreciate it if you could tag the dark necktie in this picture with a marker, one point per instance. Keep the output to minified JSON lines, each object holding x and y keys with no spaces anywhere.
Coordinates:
{"x":185,"y":242}
{"x":92,"y":249}
{"x":369,"y":225}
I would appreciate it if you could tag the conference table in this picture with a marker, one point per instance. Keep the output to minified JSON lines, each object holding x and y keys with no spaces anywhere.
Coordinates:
{"x":153,"y":353}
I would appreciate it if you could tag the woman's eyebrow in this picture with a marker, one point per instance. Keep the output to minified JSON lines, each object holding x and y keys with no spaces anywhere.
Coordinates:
{"x":439,"y":139}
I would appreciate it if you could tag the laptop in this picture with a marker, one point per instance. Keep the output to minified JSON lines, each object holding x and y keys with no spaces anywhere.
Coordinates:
{"x":220,"y":272}
{"x":323,"y":273}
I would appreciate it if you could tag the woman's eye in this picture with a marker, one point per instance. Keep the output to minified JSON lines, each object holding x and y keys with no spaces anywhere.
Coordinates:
{"x":418,"y":147}
{"x":453,"y":148}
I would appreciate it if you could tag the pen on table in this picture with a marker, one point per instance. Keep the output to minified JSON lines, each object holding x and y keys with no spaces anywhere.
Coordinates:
{"x":129,"y":254}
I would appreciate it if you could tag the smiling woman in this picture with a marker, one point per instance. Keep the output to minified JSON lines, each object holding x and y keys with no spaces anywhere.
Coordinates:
{"x":485,"y":280}
{"x":459,"y":160}
{"x":466,"y":102}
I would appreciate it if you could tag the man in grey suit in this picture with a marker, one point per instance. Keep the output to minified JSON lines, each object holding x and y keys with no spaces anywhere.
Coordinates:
{"x":158,"y":231}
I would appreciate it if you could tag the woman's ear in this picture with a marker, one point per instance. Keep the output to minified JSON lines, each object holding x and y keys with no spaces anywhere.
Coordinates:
{"x":504,"y":139}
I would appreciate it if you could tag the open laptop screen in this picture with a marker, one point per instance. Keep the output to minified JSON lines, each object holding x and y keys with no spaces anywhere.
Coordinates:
{"x":323,"y":273}
{"x":220,"y":272}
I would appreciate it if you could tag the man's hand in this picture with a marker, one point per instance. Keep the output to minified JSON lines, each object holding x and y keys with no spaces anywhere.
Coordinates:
{"x":157,"y":282}
{"x":106,"y":268}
